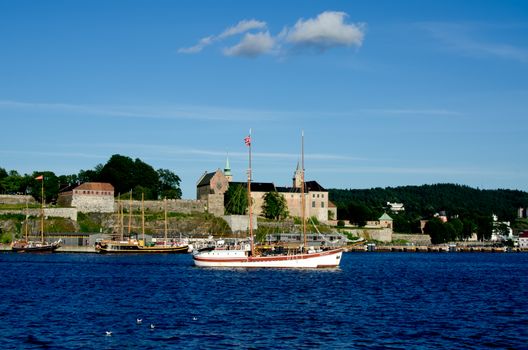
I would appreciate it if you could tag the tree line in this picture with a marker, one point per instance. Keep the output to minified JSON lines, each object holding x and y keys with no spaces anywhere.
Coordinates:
{"x":467,"y":209}
{"x":124,"y":173}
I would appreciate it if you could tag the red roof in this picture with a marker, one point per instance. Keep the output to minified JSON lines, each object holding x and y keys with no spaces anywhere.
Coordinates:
{"x":524,"y":234}
{"x":95,"y":186}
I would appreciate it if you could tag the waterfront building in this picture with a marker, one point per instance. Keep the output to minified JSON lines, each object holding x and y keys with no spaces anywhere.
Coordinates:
{"x":212,"y":187}
{"x":89,"y":197}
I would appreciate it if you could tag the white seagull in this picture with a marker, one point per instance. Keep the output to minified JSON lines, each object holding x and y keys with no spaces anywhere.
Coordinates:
{"x":108,"y":333}
{"x":139,"y":321}
{"x":152,"y":326}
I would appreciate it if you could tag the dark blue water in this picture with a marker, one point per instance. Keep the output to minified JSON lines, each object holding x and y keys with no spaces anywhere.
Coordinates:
{"x":375,"y":300}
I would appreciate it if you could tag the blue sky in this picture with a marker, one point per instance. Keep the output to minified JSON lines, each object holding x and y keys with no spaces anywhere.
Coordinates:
{"x":388,"y":93}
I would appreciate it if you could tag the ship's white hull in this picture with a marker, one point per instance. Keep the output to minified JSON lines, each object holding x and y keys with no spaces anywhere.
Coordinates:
{"x":239,"y":258}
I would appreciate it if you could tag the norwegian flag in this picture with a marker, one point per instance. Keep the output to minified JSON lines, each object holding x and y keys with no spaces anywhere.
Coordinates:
{"x":247,"y":140}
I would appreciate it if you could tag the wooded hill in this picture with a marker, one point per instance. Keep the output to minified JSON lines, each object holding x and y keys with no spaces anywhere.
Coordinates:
{"x":426,"y":200}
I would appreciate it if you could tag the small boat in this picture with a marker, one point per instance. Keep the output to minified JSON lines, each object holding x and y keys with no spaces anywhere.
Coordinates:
{"x":139,"y":246}
{"x":27,"y":246}
{"x":24,"y":246}
{"x":247,"y":255}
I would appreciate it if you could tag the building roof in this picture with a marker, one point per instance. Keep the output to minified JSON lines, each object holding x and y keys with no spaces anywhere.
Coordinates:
{"x":313,"y":186}
{"x":257,"y":186}
{"x":524,"y":234}
{"x":385,"y":216}
{"x":95,"y":186}
{"x":206,"y":179}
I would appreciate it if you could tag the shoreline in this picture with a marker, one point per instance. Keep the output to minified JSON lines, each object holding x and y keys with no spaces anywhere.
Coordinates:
{"x":356,"y":249}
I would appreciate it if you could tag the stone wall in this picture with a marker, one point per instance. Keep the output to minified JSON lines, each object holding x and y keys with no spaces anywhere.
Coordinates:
{"x":16,"y":199}
{"x":382,"y":234}
{"x":93,"y":203}
{"x":67,"y":213}
{"x":240,"y":223}
{"x":215,"y":204}
{"x":186,"y":206}
{"x":416,"y":239}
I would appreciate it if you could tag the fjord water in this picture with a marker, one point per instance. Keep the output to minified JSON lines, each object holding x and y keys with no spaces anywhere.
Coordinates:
{"x":375,"y":300}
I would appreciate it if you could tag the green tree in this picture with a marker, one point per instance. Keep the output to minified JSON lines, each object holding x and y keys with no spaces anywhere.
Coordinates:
{"x":358,"y":214}
{"x":13,"y":183}
{"x":458,"y":225}
{"x":50,"y":183}
{"x":169,"y":184}
{"x":435,"y":229}
{"x":274,"y":206}
{"x":484,"y":228}
{"x":236,"y":200}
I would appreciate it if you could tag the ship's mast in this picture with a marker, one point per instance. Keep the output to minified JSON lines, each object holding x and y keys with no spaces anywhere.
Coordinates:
{"x":143,"y":217}
{"x":248,"y":142}
{"x":166,"y":228}
{"x":303,"y":198}
{"x":130,"y":214}
{"x":42,"y":211}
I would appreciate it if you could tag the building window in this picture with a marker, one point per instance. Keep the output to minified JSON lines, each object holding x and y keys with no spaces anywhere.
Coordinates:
{"x":322,"y":195}
{"x":318,"y":195}
{"x":313,"y":204}
{"x":322,"y":204}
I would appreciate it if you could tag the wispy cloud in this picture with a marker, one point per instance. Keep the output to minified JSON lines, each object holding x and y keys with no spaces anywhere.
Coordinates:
{"x":384,"y":170}
{"x":327,"y":30}
{"x":252,"y":45}
{"x":414,"y":112}
{"x":240,"y":28}
{"x":465,"y":38}
{"x":175,"y":112}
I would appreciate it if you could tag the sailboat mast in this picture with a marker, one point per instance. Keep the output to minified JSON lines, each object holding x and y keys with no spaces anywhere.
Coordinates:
{"x":27,"y":217}
{"x":130,"y":214}
{"x":143,"y":217}
{"x":166,"y":228}
{"x":248,"y":142}
{"x":303,"y":198}
{"x":42,"y":211}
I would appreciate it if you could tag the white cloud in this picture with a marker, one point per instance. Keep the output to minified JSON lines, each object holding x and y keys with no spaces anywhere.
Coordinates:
{"x":242,"y":27}
{"x":323,"y":32}
{"x":198,"y":47}
{"x":252,"y":45}
{"x":327,"y":30}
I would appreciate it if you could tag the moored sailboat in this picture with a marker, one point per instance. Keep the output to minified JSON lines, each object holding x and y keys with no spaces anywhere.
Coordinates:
{"x":139,"y":246}
{"x":247,"y":255}
{"x":28,"y":246}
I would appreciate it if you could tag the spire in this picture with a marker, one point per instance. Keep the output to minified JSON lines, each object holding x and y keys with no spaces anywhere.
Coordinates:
{"x":297,"y":176}
{"x":227,"y":170}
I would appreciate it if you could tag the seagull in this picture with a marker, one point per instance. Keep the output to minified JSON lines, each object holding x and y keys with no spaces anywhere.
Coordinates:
{"x":152,"y":326}
{"x":108,"y":333}
{"x":195,"y":318}
{"x":139,"y":321}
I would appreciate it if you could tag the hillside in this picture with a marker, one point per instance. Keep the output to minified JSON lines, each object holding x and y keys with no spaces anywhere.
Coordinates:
{"x":425,"y":200}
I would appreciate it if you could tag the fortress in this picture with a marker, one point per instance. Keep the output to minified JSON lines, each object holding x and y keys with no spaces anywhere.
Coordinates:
{"x":211,"y":188}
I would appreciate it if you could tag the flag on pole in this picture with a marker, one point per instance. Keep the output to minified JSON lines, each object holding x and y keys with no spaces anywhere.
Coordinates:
{"x":41,"y":177}
{"x":247,"y":140}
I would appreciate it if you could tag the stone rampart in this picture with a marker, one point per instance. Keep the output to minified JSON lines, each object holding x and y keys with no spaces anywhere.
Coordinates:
{"x":381,"y":234}
{"x":16,"y":199}
{"x":239,"y":223}
{"x":67,"y":213}
{"x":186,"y":206}
{"x":416,"y":239}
